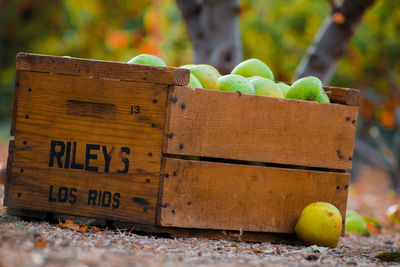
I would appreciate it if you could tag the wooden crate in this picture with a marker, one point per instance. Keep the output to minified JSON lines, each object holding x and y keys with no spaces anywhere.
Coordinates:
{"x":112,"y":141}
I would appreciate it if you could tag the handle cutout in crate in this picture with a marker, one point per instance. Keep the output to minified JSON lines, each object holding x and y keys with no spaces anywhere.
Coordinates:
{"x":91,"y":109}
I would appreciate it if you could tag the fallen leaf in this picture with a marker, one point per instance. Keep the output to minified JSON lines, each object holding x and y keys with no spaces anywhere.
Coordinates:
{"x":256,"y":250}
{"x":316,"y":249}
{"x":41,"y":243}
{"x":388,"y":256}
{"x":68,"y":222}
{"x":97,"y":230}
{"x":74,"y":227}
{"x":83,"y":228}
{"x":311,"y":256}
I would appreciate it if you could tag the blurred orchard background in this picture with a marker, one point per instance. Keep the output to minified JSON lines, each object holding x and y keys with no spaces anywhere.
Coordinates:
{"x":277,"y":32}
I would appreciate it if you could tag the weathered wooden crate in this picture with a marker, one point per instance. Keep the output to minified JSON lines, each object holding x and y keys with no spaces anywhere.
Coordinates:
{"x":111,"y":141}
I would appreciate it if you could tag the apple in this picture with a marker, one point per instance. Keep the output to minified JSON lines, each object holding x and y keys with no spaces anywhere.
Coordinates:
{"x":393,"y":213}
{"x":307,"y":88}
{"x":355,"y":223}
{"x":146,"y":59}
{"x":206,"y":76}
{"x":266,"y":87}
{"x":253,"y":67}
{"x":284,"y":88}
{"x":194,"y":82}
{"x":234,"y":83}
{"x":320,"y":224}
{"x":213,"y":69}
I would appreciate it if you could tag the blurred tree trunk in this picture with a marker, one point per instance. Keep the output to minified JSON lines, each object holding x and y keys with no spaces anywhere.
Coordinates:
{"x":332,"y":40}
{"x":213,"y":27}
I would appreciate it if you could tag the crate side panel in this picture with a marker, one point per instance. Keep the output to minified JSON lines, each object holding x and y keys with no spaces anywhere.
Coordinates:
{"x":210,"y":195}
{"x":83,"y":145}
{"x":227,"y":125}
{"x":102,"y":69}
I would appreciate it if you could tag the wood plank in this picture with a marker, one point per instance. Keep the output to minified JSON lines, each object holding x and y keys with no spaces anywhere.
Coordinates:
{"x":8,"y":171}
{"x":211,"y":195}
{"x":114,"y":129}
{"x":217,"y":124}
{"x":102,"y":69}
{"x":345,"y":96}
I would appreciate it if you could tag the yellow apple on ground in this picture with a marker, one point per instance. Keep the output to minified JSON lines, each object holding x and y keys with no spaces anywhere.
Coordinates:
{"x":393,"y":213}
{"x":266,"y":87}
{"x":206,"y":76}
{"x":146,"y":59}
{"x":320,"y":223}
{"x":235,"y":83}
{"x":253,"y":67}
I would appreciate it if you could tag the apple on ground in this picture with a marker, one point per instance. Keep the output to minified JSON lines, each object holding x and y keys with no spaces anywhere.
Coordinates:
{"x":355,"y":223}
{"x":320,"y":223}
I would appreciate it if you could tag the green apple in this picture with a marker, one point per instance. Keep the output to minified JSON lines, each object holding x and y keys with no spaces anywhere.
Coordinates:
{"x":253,"y":77}
{"x":355,"y":223}
{"x":320,"y":223}
{"x":284,"y":88}
{"x":324,"y":98}
{"x":307,"y":88}
{"x":146,"y":59}
{"x":213,"y":69}
{"x":194,"y":82}
{"x":234,"y":83}
{"x":253,"y":67}
{"x":266,"y":87}
{"x":206,"y":76}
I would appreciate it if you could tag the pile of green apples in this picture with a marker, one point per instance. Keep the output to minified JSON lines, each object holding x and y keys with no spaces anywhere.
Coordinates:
{"x":251,"y":76}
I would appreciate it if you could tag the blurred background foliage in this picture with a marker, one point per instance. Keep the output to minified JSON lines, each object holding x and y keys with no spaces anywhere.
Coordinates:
{"x":278,"y":32}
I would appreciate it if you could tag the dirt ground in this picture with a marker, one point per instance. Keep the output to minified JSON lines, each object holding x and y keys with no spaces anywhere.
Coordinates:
{"x":25,"y":243}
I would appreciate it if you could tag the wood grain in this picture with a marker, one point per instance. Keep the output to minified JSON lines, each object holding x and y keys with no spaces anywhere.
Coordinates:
{"x":350,"y":97}
{"x":217,"y":124}
{"x":118,"y":153}
{"x":210,"y":195}
{"x":102,"y":69}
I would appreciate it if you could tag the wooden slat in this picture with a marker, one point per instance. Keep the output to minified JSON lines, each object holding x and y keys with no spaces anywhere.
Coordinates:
{"x":102,"y":69}
{"x":210,"y":195}
{"x":8,"y":171}
{"x":124,"y":120}
{"x":345,"y":96}
{"x":228,"y":125}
